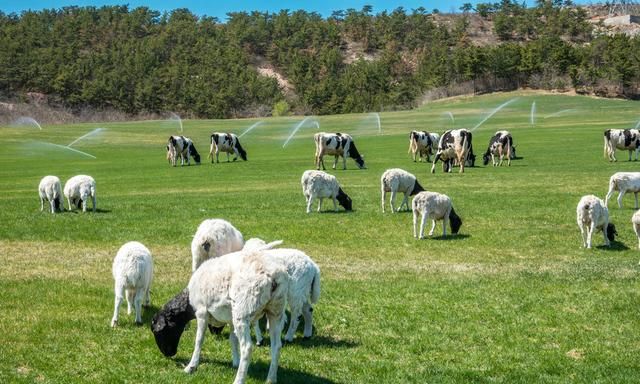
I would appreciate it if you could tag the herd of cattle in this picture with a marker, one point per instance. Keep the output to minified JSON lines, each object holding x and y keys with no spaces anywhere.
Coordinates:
{"x":236,"y":282}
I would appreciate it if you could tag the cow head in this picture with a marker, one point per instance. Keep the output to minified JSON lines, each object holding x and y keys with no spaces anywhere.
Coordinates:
{"x":355,"y":155}
{"x":344,"y":200}
{"x":513,"y":152}
{"x":486,"y":158}
{"x":168,"y":324}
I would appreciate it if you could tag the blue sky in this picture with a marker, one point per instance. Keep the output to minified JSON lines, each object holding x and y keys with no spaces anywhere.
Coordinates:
{"x":220,"y":8}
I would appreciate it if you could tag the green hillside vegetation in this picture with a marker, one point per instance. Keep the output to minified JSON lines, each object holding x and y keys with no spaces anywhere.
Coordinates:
{"x":140,"y":61}
{"x":512,"y":299}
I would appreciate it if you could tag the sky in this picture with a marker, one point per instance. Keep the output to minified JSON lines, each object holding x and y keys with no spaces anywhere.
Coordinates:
{"x":220,"y":9}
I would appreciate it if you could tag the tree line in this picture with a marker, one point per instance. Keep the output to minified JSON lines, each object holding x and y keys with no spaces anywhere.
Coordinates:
{"x":140,"y":60}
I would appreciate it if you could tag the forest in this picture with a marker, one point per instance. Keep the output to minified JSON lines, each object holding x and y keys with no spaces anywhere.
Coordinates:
{"x":140,"y":60}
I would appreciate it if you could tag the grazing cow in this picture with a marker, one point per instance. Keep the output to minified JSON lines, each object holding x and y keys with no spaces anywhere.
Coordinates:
{"x":501,"y":144}
{"x":593,"y":215}
{"x":180,"y":146}
{"x":337,"y":144}
{"x":422,"y":143}
{"x":226,"y":142}
{"x":454,"y":146}
{"x":628,"y":139}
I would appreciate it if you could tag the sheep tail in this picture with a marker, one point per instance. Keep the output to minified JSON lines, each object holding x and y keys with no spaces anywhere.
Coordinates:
{"x":315,"y":287}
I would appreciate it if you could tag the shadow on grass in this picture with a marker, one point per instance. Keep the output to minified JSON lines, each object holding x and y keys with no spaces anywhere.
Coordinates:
{"x":89,"y":210}
{"x":616,"y":246}
{"x":459,"y":236}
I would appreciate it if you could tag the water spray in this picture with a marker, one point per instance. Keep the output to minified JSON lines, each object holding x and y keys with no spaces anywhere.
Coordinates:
{"x":97,"y":130}
{"x":23,"y":120}
{"x":533,"y":113}
{"x":295,"y":130}
{"x":250,"y":128}
{"x":177,"y":118}
{"x":493,"y":113}
{"x":559,"y":113}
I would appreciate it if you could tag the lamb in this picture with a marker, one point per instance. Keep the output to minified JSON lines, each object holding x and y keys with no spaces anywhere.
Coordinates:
{"x":398,"y":180}
{"x":234,"y":289}
{"x":593,"y":215}
{"x":214,"y":237}
{"x":304,"y":289}
{"x":51,"y":190}
{"x":133,"y":273}
{"x":623,"y":182}
{"x":438,"y":207}
{"x":319,"y":184}
{"x":635,"y":219}
{"x":78,"y":189}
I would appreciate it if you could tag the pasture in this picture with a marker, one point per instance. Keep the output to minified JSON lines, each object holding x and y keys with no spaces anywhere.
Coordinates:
{"x":512,"y":299}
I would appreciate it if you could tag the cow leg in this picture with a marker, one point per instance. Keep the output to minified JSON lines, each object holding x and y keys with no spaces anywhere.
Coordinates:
{"x":630,"y":151}
{"x":201,"y":318}
{"x":335,"y":162}
{"x":344,"y":162}
{"x":228,"y":160}
{"x":321,"y":162}
{"x":235,"y":151}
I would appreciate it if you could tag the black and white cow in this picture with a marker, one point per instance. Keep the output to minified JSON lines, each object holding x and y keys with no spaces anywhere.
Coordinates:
{"x":226,"y":142}
{"x":180,"y":146}
{"x":422,"y":143}
{"x":628,"y":139}
{"x":454,"y":147}
{"x":337,"y":144}
{"x":500,"y":144}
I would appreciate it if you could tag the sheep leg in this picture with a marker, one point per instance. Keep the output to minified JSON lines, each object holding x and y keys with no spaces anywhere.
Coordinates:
{"x":590,"y":231}
{"x":307,"y":313}
{"x":242,"y":332}
{"x":319,"y":204}
{"x":604,"y":233}
{"x":69,"y":204}
{"x":620,"y":195}
{"x":636,"y":229}
{"x":445,"y":221}
{"x":130,"y":298}
{"x":583,"y":234}
{"x":42,"y":204}
{"x":415,"y":222}
{"x":606,"y":199}
{"x":392,"y":201}
{"x":119,"y":291}
{"x":258,"y":331}
{"x":309,"y":202}
{"x":53,"y":204}
{"x":275,"y":330}
{"x":384,"y":195}
{"x":422,"y":222}
{"x":235,"y":350}
{"x":137,"y":302}
{"x":201,"y":317}
{"x":405,"y":202}
{"x":296,"y":311}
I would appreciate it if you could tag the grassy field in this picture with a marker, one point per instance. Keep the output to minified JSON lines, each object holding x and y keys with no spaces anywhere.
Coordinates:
{"x":512,"y":299}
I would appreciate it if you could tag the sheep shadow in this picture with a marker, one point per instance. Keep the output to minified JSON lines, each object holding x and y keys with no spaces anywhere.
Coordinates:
{"x":77,"y":211}
{"x":459,"y":236}
{"x":616,"y":246}
{"x":147,"y":314}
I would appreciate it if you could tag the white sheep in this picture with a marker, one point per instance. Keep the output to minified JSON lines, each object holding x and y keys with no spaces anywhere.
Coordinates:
{"x":635,"y":219}
{"x":234,"y":289}
{"x":304,"y":290}
{"x":593,"y":215}
{"x":78,"y":189}
{"x":256,"y":244}
{"x":623,"y":182}
{"x":214,"y":237}
{"x":319,"y":184}
{"x":398,"y":180}
{"x":133,"y":272}
{"x":50,"y":189}
{"x":437,"y":207}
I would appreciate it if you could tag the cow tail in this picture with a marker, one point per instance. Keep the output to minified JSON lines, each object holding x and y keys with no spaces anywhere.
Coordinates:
{"x":607,"y":143}
{"x":412,"y":143}
{"x":243,"y":153}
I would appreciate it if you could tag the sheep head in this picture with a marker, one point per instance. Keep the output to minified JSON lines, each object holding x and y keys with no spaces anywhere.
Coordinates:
{"x":344,"y":200}
{"x":168,"y":324}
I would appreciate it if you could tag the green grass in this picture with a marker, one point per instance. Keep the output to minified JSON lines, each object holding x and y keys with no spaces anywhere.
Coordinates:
{"x":512,"y":299}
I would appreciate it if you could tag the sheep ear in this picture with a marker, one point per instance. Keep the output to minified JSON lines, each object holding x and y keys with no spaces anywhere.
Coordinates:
{"x":206,"y":246}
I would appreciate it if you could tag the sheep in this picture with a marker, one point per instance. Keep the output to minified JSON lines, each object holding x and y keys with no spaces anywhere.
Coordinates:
{"x":256,"y":244}
{"x":304,"y":289}
{"x":623,"y":182}
{"x":233,"y":289}
{"x":51,"y":190}
{"x":133,"y":272}
{"x":635,"y":219}
{"x":593,"y":215}
{"x":214,"y":237}
{"x":319,"y":184}
{"x":78,"y":189}
{"x":398,"y":180}
{"x":436,"y":206}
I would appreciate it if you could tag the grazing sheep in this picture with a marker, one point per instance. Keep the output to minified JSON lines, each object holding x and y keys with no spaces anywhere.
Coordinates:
{"x":304,"y":290}
{"x":593,"y":215}
{"x":398,"y":180}
{"x":78,"y":189}
{"x":437,"y":207}
{"x":51,"y":190}
{"x":636,"y":225}
{"x":623,"y":182}
{"x":234,"y":289}
{"x":214,"y":237}
{"x":133,"y":273}
{"x":319,"y":184}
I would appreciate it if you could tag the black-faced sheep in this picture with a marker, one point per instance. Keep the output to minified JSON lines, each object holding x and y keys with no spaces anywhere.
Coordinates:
{"x":50,"y":190}
{"x":435,"y":206}
{"x":319,"y":184}
{"x":398,"y":180}
{"x":593,"y":215}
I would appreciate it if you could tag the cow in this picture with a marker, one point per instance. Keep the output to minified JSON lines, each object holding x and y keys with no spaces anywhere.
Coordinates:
{"x":226,"y":142}
{"x":628,"y":139}
{"x":454,"y":146}
{"x":422,"y":143}
{"x":337,"y":144}
{"x":180,"y":146}
{"x":500,"y":144}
